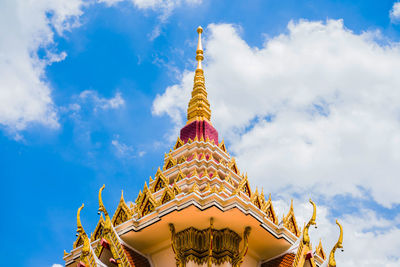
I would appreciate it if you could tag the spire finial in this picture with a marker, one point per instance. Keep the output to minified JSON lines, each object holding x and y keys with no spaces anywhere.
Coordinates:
{"x":199,"y":51}
{"x":199,"y":107}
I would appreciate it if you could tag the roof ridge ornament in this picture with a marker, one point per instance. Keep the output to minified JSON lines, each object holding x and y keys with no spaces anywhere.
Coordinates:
{"x":306,"y":237}
{"x":199,"y":107}
{"x":339,"y":244}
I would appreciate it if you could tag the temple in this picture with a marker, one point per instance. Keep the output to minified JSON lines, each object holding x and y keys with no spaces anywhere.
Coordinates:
{"x":198,"y":210}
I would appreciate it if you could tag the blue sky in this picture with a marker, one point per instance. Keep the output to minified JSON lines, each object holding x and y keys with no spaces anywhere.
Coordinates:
{"x":93,"y":92}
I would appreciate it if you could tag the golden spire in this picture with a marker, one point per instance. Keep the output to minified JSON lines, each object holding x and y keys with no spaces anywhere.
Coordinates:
{"x":199,"y":107}
{"x":339,"y":244}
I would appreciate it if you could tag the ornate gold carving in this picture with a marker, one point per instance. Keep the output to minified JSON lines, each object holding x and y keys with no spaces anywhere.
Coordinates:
{"x":208,"y":246}
{"x":244,"y":187}
{"x":168,"y":195}
{"x":207,"y":188}
{"x":160,"y":181}
{"x":110,"y":235}
{"x":98,"y":231}
{"x":228,"y":178}
{"x":289,"y":221}
{"x":194,"y":173}
{"x":320,"y":251}
{"x":148,"y":208}
{"x":215,"y":175}
{"x":257,"y":199}
{"x":199,"y":107}
{"x":222,"y":146}
{"x":339,"y":244}
{"x":169,"y":162}
{"x":107,"y":223}
{"x":180,"y":176}
{"x":239,"y":258}
{"x":147,"y":202}
{"x":176,"y":189}
{"x":205,"y":173}
{"x":178,"y":143}
{"x":182,"y":160}
{"x":232,"y":165}
{"x":195,"y":188}
{"x":306,"y":237}
{"x":85,"y":256}
{"x":269,"y":211}
{"x":123,"y":213}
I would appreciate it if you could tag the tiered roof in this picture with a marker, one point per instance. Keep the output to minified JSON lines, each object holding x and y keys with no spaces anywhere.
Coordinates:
{"x":199,"y":182}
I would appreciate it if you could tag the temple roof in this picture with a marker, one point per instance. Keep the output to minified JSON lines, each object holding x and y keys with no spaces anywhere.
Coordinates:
{"x":198,"y":182}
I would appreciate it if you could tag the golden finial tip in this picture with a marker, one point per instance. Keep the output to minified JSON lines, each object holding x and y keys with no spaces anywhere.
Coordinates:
{"x":199,"y":29}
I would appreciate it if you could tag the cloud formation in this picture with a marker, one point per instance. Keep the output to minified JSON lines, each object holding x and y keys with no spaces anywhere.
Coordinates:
{"x":313,"y":112}
{"x":316,"y":106}
{"x":99,"y":102}
{"x":395,"y":13}
{"x":25,"y":95}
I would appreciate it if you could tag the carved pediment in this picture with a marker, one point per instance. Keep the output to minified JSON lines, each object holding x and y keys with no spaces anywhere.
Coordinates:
{"x":98,"y":231}
{"x":169,"y":162}
{"x":289,"y":221}
{"x":232,"y":165}
{"x":160,"y":182}
{"x":178,"y":143}
{"x":168,"y":195}
{"x":122,"y":213}
{"x":222,"y":146}
{"x":269,"y":211}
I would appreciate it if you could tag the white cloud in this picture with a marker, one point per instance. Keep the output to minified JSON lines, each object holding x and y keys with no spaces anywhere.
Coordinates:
{"x":25,"y":96}
{"x":395,"y":13}
{"x":56,"y":265}
{"x":313,"y":112}
{"x":153,"y":4}
{"x":315,"y":109}
{"x":122,"y":149}
{"x":100,"y":102}
{"x":364,"y":232}
{"x":164,"y":7}
{"x":125,"y":151}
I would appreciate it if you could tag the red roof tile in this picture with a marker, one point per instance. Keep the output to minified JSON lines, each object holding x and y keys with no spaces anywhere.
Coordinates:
{"x":282,"y":261}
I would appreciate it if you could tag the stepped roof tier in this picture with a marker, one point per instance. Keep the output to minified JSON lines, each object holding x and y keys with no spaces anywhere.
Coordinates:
{"x":198,"y":210}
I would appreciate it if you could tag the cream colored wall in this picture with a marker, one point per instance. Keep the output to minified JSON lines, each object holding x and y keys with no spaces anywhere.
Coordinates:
{"x":249,"y":261}
{"x":164,"y":257}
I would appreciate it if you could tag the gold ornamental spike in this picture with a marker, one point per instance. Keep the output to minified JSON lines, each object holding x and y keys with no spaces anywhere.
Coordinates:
{"x":101,"y":205}
{"x":306,"y":237}
{"x":339,"y":244}
{"x":199,"y":107}
{"x":79,"y":229}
